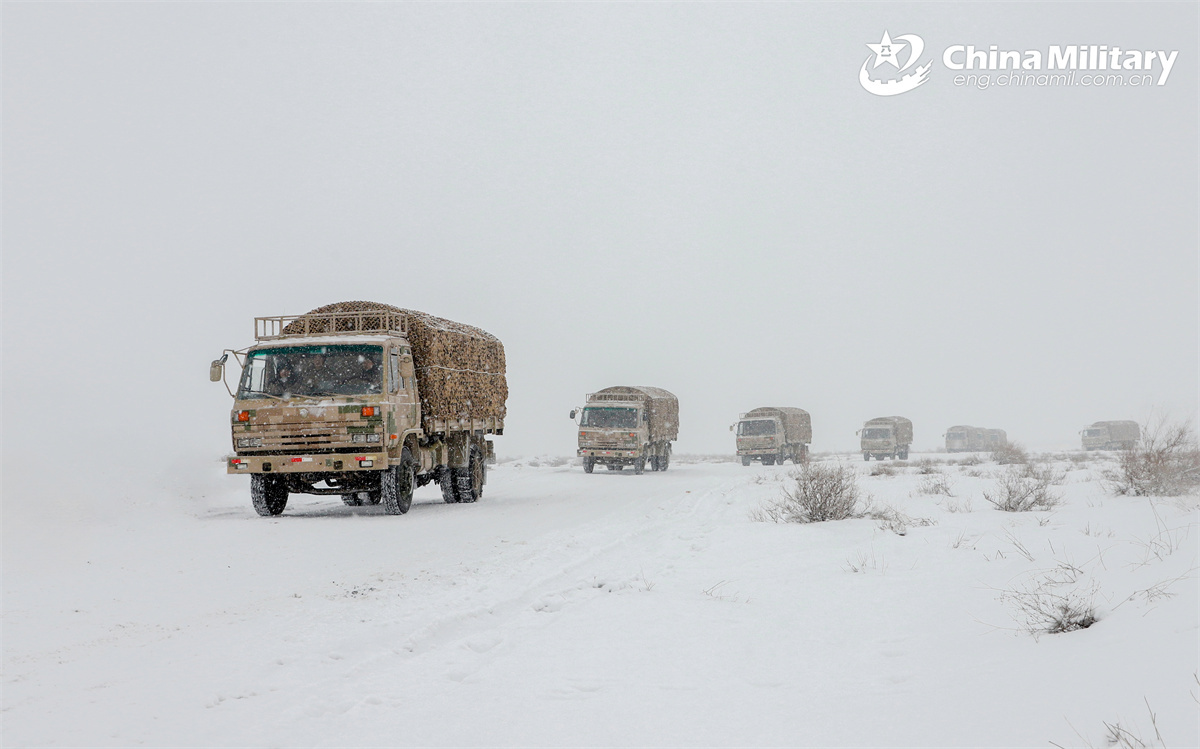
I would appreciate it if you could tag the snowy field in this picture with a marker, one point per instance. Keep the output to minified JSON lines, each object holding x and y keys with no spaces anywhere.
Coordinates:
{"x":611,"y":609}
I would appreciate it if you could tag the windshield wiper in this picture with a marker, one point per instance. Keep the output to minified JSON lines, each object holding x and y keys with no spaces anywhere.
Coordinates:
{"x":253,"y":393}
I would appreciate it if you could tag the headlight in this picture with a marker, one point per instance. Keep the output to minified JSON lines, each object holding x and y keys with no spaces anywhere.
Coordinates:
{"x":364,"y":437}
{"x":249,"y":442}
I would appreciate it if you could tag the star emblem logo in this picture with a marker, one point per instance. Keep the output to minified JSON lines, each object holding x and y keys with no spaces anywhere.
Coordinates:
{"x":886,"y":51}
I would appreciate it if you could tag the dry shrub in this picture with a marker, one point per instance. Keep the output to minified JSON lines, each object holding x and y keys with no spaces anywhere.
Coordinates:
{"x":1024,"y":488}
{"x":1167,"y":464}
{"x":1055,"y":602}
{"x":818,"y":492}
{"x":937,"y":483}
{"x":883,"y":469}
{"x":926,"y":466}
{"x":1010,"y":454}
{"x":970,"y":460}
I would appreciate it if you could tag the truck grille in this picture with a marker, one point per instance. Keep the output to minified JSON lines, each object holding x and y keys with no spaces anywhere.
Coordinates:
{"x":308,"y":437}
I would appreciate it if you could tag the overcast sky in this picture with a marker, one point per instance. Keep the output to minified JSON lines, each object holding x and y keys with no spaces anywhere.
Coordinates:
{"x":699,"y":197}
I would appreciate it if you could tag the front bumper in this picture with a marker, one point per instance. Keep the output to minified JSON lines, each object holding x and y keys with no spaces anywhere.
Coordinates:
{"x":337,"y":463}
{"x":609,"y":453}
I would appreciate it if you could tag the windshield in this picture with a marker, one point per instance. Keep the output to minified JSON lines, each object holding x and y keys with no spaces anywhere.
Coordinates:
{"x":876,"y":434}
{"x":756,"y":428}
{"x":1094,"y":433}
{"x":312,"y":371}
{"x":614,"y":418}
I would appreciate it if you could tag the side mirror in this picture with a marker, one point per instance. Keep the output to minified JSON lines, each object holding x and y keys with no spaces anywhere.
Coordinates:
{"x":572,"y":414}
{"x":216,"y":370}
{"x":731,"y":427}
{"x":646,"y":416}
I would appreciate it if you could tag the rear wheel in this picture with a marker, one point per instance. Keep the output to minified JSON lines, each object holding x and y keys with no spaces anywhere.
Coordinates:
{"x":397,"y":484}
{"x":866,"y":456}
{"x":446,"y":481}
{"x":589,"y":465}
{"x":268,"y":494}
{"x":468,"y":482}
{"x":746,"y":460}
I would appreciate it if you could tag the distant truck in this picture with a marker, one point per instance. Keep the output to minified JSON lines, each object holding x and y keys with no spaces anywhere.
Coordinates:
{"x":886,"y":437}
{"x":1111,"y":435}
{"x":773,"y":434}
{"x":628,"y":426}
{"x":367,"y":402}
{"x":974,"y":439}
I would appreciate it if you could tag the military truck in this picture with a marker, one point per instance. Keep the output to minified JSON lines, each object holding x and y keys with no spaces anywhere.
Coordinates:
{"x":1111,"y":435}
{"x":965,"y":439}
{"x":627,"y":426}
{"x":773,"y":434}
{"x":367,"y":402}
{"x":974,"y":439}
{"x":886,"y":437}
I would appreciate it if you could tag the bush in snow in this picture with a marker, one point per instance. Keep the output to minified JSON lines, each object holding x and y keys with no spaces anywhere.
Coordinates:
{"x":1010,"y":454}
{"x":1024,"y":488}
{"x":1055,"y":602}
{"x":883,"y":469}
{"x":926,"y":466}
{"x":817,"y":492}
{"x":936,"y":483}
{"x":1167,"y":464}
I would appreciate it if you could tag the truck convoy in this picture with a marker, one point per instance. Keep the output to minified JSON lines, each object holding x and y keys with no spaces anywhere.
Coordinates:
{"x":626,"y":425}
{"x":974,"y":439}
{"x":773,"y":434}
{"x":366,"y":401}
{"x":1111,"y":435}
{"x":886,"y":437}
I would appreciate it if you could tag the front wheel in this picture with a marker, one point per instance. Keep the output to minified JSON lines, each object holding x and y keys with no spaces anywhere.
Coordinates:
{"x":664,"y":461}
{"x":397,"y":484}
{"x":639,"y":466}
{"x":268,"y":494}
{"x":904,"y":454}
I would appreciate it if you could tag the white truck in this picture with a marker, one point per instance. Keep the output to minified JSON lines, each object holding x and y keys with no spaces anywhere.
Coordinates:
{"x":773,"y":434}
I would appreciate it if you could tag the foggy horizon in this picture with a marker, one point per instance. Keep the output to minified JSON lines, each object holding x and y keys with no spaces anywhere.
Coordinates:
{"x":700,"y":198}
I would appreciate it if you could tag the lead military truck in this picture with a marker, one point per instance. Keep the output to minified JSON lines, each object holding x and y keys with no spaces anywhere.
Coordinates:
{"x":367,"y":402}
{"x":886,"y":437}
{"x":628,"y":426}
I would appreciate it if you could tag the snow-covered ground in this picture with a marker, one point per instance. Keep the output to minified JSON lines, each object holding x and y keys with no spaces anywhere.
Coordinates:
{"x":567,"y":609}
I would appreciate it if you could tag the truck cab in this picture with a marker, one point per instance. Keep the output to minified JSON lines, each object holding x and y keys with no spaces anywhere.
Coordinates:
{"x":759,"y":439}
{"x":614,"y":433}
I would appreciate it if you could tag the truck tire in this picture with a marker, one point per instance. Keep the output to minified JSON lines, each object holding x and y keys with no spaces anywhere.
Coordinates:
{"x":783,"y":456}
{"x":866,"y":456}
{"x":396,"y":485}
{"x":589,"y":465}
{"x":904,"y":454}
{"x":446,"y":481}
{"x":268,"y":494}
{"x":468,"y":482}
{"x":639,"y":466}
{"x":664,"y":461}
{"x":747,"y":460}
